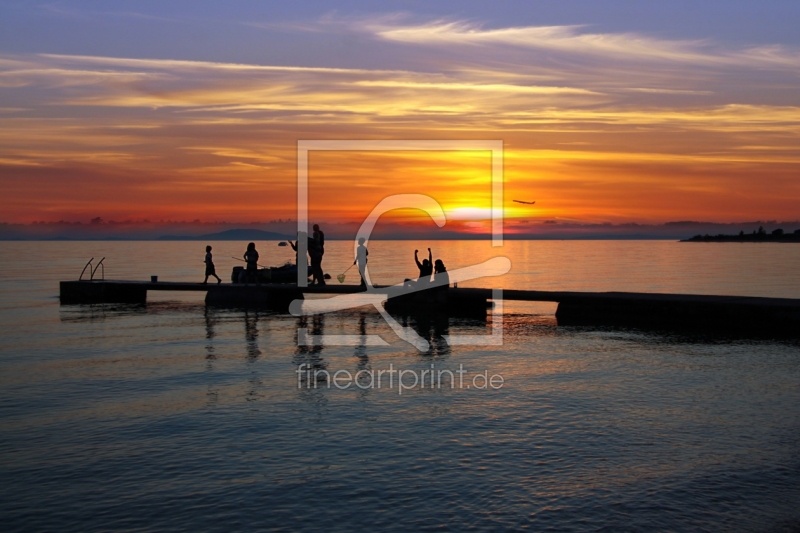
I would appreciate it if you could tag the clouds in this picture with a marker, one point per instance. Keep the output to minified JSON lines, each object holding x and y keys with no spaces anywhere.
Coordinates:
{"x":634,"y":123}
{"x":220,"y":87}
{"x":579,"y":40}
{"x":572,"y":39}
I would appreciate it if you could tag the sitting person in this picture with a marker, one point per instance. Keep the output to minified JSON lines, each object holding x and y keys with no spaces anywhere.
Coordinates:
{"x":441,"y":279}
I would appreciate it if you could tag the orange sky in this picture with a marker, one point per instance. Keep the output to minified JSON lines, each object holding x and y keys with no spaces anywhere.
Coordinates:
{"x":649,"y":132}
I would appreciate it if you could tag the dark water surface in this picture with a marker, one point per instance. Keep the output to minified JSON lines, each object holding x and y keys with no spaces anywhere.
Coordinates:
{"x":174,"y":416}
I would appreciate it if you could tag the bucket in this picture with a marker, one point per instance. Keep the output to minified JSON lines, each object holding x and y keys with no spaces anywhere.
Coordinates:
{"x":153,"y":279}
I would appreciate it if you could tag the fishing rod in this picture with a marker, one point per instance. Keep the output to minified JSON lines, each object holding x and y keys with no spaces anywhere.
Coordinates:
{"x":243,"y":261}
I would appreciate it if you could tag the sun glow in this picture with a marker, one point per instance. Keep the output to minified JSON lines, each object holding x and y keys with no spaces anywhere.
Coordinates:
{"x":469,"y":213}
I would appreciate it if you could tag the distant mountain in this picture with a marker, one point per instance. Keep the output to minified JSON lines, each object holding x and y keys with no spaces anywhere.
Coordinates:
{"x":230,"y":235}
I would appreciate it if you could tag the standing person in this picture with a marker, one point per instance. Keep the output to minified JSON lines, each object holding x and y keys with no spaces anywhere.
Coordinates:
{"x":251,"y":258}
{"x":210,"y":270}
{"x":316,"y":254}
{"x":319,"y":236}
{"x":311,"y":249}
{"x":315,"y":258}
{"x":426,"y":267}
{"x":294,"y":246}
{"x":361,"y":259}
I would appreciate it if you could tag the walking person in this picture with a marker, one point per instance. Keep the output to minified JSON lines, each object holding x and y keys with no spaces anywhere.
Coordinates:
{"x":210,"y":270}
{"x":251,"y":258}
{"x":361,"y":260}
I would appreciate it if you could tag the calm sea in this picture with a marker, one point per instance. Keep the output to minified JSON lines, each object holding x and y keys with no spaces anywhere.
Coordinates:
{"x":173,"y":416}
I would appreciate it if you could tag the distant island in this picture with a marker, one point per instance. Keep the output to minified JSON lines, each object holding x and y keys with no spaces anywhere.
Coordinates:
{"x":230,"y":235}
{"x":760,"y":235}
{"x":98,"y":229}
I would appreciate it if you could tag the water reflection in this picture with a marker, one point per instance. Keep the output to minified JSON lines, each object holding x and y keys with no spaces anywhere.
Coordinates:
{"x":431,"y":328}
{"x":210,"y":318}
{"x":361,"y":349}
{"x":313,"y":369}
{"x":99,"y":312}
{"x":211,"y":321}
{"x":251,"y":335}
{"x":363,"y":366}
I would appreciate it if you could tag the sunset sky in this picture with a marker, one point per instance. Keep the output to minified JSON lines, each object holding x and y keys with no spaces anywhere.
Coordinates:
{"x":624,"y":111}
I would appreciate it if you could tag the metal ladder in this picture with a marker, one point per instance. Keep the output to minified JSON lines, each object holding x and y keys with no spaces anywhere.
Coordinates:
{"x":93,"y":270}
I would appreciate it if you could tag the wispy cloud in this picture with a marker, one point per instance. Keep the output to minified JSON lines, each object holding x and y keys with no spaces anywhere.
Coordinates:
{"x":183,"y":65}
{"x":578,"y":40}
{"x":62,"y":77}
{"x":564,"y":38}
{"x":652,"y":90}
{"x":223,"y":87}
{"x":487,"y":87}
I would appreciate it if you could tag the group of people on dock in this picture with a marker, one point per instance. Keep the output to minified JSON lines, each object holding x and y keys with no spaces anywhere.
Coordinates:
{"x":430,"y":271}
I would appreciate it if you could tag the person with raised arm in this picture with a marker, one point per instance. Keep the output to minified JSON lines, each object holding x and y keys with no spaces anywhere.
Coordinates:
{"x":426,"y":267}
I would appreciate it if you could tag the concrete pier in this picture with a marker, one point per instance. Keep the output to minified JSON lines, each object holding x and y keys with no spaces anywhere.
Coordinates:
{"x":714,"y":313}
{"x":92,"y":292}
{"x":695,"y":311}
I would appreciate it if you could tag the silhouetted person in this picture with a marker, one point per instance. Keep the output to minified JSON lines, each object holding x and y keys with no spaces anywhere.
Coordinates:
{"x":426,"y":267}
{"x":210,"y":270}
{"x":312,"y":248}
{"x":361,"y":260}
{"x":316,"y":252}
{"x":440,"y":276}
{"x":251,"y":257}
{"x":425,"y":271}
{"x":319,"y":236}
{"x":296,"y":251}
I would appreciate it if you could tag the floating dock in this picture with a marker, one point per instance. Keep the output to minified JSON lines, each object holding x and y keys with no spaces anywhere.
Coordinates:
{"x":737,"y":314}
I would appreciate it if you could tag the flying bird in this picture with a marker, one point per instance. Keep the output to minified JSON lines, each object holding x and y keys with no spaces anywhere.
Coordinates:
{"x":527,"y":203}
